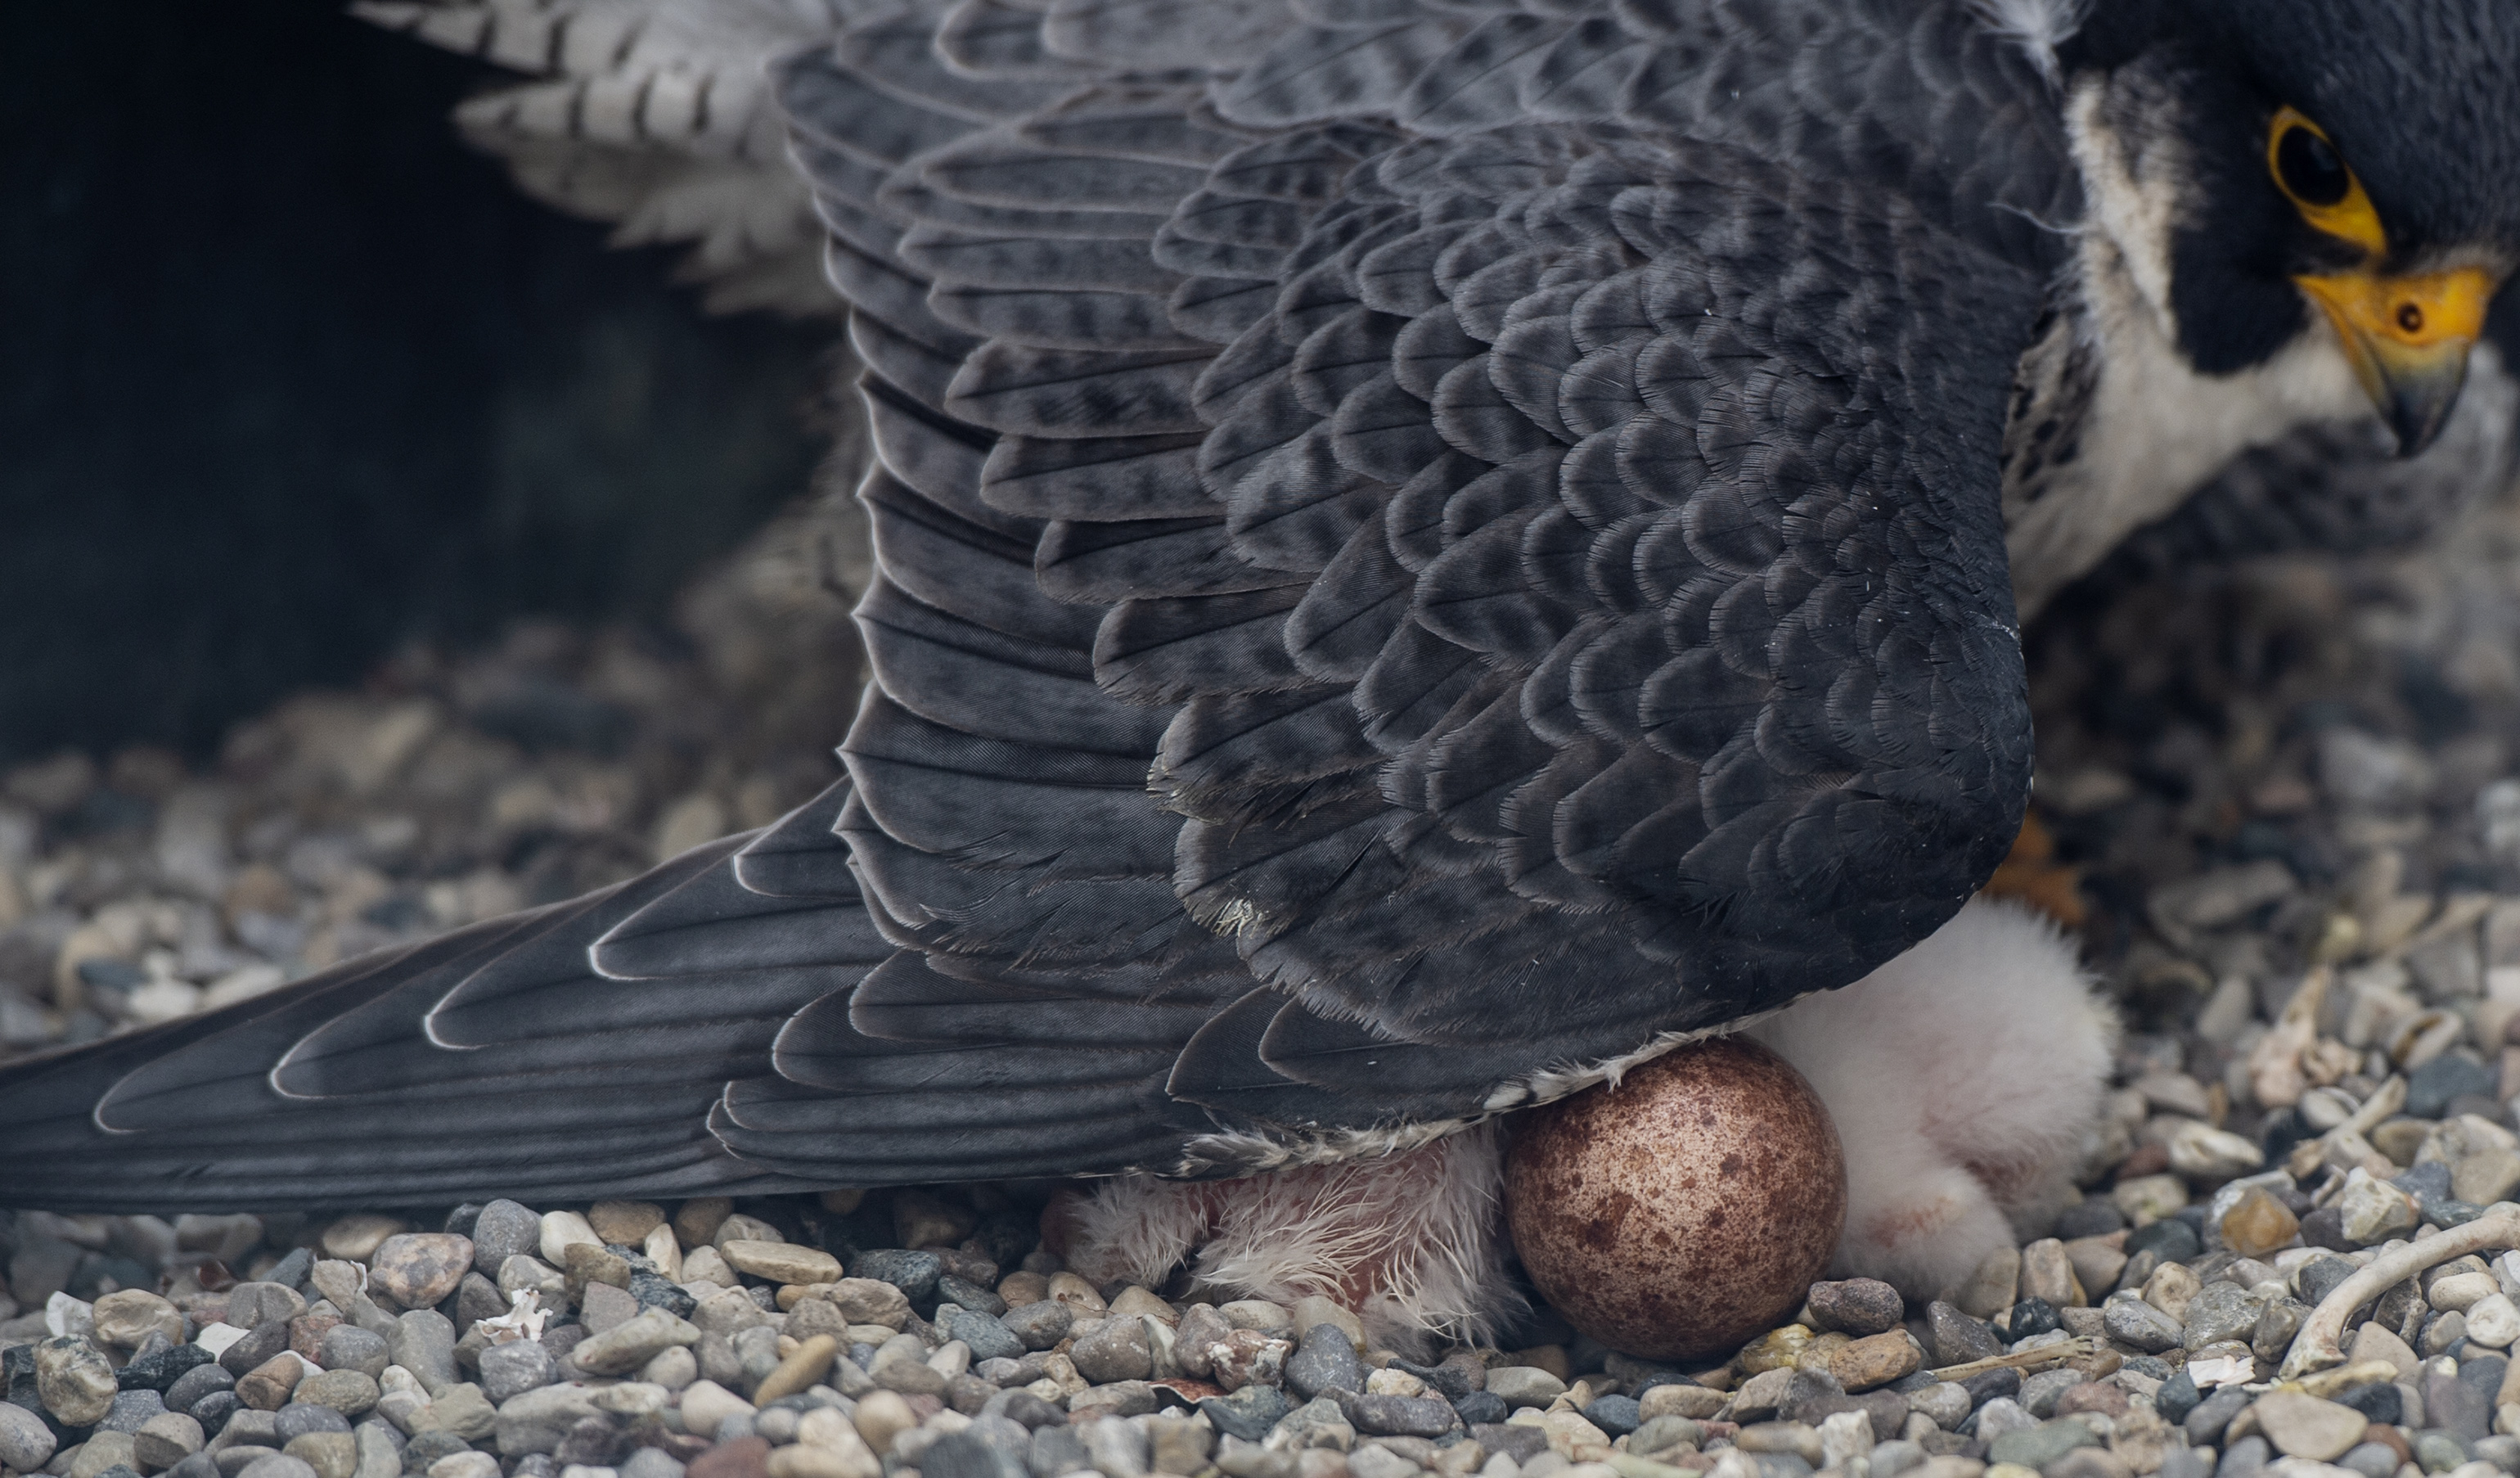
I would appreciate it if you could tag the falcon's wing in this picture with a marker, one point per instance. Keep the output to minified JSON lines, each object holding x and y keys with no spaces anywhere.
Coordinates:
{"x":1420,"y":548}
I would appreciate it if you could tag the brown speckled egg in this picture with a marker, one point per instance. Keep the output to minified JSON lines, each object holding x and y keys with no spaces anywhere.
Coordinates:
{"x":1683,"y":1211}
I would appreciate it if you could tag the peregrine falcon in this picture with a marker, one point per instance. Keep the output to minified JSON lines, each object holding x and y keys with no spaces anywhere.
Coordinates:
{"x":1427,"y":550}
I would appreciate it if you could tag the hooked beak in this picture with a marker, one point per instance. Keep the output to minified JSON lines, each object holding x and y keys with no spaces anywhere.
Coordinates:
{"x":2408,"y":339}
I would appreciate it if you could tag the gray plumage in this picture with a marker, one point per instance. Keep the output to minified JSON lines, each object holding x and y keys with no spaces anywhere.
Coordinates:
{"x":1423,"y":548}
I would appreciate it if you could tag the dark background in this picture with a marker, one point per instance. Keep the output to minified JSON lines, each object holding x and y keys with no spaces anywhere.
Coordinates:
{"x":293,"y":378}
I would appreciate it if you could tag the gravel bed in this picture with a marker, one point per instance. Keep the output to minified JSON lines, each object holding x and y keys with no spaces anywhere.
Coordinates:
{"x":2281,"y":803}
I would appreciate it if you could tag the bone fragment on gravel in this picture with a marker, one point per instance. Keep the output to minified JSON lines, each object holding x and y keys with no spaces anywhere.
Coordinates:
{"x":2317,"y":1346}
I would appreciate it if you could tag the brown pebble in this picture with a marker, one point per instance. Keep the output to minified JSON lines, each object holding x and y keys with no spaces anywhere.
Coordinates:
{"x":2259,"y":1224}
{"x":417,"y":1270}
{"x":1858,"y":1306}
{"x":625,"y":1224}
{"x":1875,"y":1361}
{"x":1685,"y":1209}
{"x":2093,"y":1395}
{"x":267,"y":1386}
{"x":586,"y":1262}
{"x":744,"y":1458}
{"x":306,"y":1333}
{"x":799,"y":1370}
{"x":697,"y":1220}
{"x":2146,"y":1159}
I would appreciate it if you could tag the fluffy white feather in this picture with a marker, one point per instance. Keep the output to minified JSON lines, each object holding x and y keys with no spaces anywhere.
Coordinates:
{"x":1963,"y":1077}
{"x":1414,"y":1242}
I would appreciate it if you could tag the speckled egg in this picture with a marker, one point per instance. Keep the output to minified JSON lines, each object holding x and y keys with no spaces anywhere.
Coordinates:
{"x":1683,"y":1211}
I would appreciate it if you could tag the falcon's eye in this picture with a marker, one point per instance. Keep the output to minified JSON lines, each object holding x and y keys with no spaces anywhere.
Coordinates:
{"x":2315,"y":178}
{"x":2310,"y":169}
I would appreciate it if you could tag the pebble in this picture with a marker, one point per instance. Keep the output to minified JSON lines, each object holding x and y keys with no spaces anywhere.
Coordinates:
{"x":627,"y":1346}
{"x":560,"y":1230}
{"x":1857,"y":1305}
{"x":2220,"y":1312}
{"x":1326,"y":1359}
{"x":1955,"y":1339}
{"x":2494,"y":1321}
{"x":73,"y":1380}
{"x":625,"y":1223}
{"x":781,"y":1262}
{"x":2206,"y":1153}
{"x":354,"y":1238}
{"x":2258,"y":1224}
{"x":125,"y":1318}
{"x":1117,"y":1349}
{"x":504,"y":1229}
{"x":419,"y":1269}
{"x":25,"y":1443}
{"x":163,"y":1440}
{"x":1875,"y":1361}
{"x":913,"y":1273}
{"x":352,"y":1393}
{"x":2040,"y":1445}
{"x":807,"y":1365}
{"x":2374,"y":1210}
{"x":2141,"y":1325}
{"x":2305,"y":1426}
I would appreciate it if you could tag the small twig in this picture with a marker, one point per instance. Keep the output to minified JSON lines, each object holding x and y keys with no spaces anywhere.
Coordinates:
{"x":2317,"y":1345}
{"x":2044,"y":1354}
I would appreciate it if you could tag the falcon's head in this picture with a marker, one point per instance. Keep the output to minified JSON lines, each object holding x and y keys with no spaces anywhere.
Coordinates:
{"x":2315,"y":179}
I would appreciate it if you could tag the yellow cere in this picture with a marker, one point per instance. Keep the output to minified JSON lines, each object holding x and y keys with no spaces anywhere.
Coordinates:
{"x":2429,"y":311}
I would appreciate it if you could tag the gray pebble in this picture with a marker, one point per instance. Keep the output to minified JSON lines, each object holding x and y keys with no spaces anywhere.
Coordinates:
{"x":2370,"y":1459}
{"x":291,"y":1271}
{"x":2139,"y":1323}
{"x":504,"y":1230}
{"x":215,"y":1410}
{"x":277,"y":1465}
{"x":424,"y":1343}
{"x":299,"y":1417}
{"x":1039,"y":1325}
{"x":968,"y":1295}
{"x":131,"y":1409}
{"x":250,"y":1305}
{"x":651,"y":1463}
{"x":988,"y":1338}
{"x":2039,"y":1393}
{"x":966,"y":1454}
{"x":25,"y":1443}
{"x":2220,"y":1311}
{"x":1055,"y":1450}
{"x":2454,"y":1406}
{"x":347,"y":1347}
{"x":914,"y":1274}
{"x":1400,"y":1416}
{"x":1248,"y":1414}
{"x":514,"y":1368}
{"x":2205,"y":1424}
{"x":2002,"y":1417}
{"x":261,"y":1343}
{"x":1324,"y":1360}
{"x":2042,"y":1445}
{"x":1117,"y":1350}
{"x":1955,"y":1339}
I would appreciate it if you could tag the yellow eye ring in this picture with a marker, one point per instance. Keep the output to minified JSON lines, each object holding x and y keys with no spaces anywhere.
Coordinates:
{"x":2315,"y":177}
